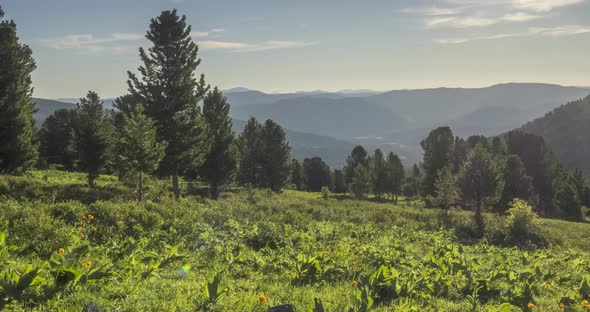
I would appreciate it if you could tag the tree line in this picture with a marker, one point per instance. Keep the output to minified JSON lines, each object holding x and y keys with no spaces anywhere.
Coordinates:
{"x":173,"y":124}
{"x":157,"y":128}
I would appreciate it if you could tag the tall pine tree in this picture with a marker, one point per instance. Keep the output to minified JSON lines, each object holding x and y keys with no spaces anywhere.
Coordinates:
{"x":317,"y":174}
{"x":58,"y":139}
{"x":438,"y":153}
{"x":18,"y":152}
{"x":357,"y":157}
{"x":395,"y":175}
{"x":170,"y":91}
{"x":94,"y":136}
{"x":221,"y":162}
{"x":380,"y":173}
{"x":251,"y":154}
{"x":277,"y":156}
{"x":297,"y":175}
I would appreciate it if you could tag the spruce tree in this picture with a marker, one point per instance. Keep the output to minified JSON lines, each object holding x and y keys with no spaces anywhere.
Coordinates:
{"x":339,"y":182}
{"x":297,"y":175}
{"x":317,"y":174}
{"x":170,"y":92}
{"x":380,"y":173}
{"x":447,"y":192}
{"x":140,"y":152}
{"x":362,"y":181}
{"x":250,"y":170}
{"x":517,"y":184}
{"x":18,"y":152}
{"x":481,"y":182}
{"x":438,"y":153}
{"x":357,"y":157}
{"x":94,"y":135}
{"x":395,"y":176}
{"x":567,"y":202}
{"x":57,"y":139}
{"x":277,"y":156}
{"x":221,"y":162}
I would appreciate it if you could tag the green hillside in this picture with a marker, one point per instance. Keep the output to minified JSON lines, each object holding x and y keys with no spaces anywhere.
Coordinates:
{"x":566,"y":130}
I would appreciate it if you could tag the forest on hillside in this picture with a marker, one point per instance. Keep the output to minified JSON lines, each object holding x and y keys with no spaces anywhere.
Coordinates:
{"x":157,"y":204}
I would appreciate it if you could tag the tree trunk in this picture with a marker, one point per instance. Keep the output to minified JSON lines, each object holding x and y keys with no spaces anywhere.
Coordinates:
{"x":175,"y":187}
{"x":214,"y":190}
{"x":479,"y":218}
{"x":140,"y":191}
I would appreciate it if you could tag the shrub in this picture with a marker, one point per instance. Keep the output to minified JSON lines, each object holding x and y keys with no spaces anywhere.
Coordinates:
{"x":523,"y":225}
{"x":325,"y":193}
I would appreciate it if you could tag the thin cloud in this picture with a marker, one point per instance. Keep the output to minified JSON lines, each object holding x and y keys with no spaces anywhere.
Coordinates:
{"x":543,"y":5}
{"x":252,"y":47}
{"x":431,"y":11}
{"x":559,"y":31}
{"x":520,"y":17}
{"x":460,"y":22}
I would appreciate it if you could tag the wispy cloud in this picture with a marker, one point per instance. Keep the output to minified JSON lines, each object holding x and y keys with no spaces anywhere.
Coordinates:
{"x":558,"y":31}
{"x":520,"y":17}
{"x":431,"y":11}
{"x":460,"y":22}
{"x":252,"y":47}
{"x":543,"y":5}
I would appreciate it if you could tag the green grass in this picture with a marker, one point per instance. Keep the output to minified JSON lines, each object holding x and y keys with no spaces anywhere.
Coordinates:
{"x":292,"y":248}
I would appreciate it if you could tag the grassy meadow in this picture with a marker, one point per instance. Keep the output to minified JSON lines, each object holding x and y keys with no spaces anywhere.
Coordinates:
{"x":67,"y":247}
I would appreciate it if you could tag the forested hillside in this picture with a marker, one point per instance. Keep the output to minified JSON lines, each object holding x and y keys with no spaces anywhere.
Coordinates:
{"x":567,"y":130}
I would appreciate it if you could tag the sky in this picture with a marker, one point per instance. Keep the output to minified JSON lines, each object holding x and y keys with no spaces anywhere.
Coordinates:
{"x":287,"y":45}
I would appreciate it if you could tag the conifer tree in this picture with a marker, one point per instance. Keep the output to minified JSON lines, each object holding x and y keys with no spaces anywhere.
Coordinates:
{"x":380,"y":173}
{"x":362,"y":181}
{"x":251,"y":154}
{"x":297,"y":175}
{"x":140,"y":152}
{"x":357,"y":156}
{"x":316,"y":173}
{"x":94,"y":136}
{"x":57,"y":139}
{"x":567,"y":202}
{"x":276,"y":156}
{"x":481,"y":182}
{"x":18,"y":152}
{"x":447,"y":192}
{"x":438,"y":153}
{"x":170,"y":92}
{"x":395,"y":175}
{"x":221,"y":162}
{"x":339,"y":182}
{"x":517,"y":184}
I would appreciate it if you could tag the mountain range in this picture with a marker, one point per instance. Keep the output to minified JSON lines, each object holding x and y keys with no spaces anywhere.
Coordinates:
{"x":329,"y":124}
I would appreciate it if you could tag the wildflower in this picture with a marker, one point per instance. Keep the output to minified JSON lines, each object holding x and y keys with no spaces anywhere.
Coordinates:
{"x":84,"y":217}
{"x":81,"y":222}
{"x":561,"y":307}
{"x":82,"y":235}
{"x":90,"y":217}
{"x":354,"y":283}
{"x":585,"y":304}
{"x":87,"y":255}
{"x":531,"y":305}
{"x":262,"y":299}
{"x":61,"y":251}
{"x":87,"y":264}
{"x":547,"y":285}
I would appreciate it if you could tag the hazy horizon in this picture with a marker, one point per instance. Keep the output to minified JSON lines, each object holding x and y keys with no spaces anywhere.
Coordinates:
{"x":292,"y":46}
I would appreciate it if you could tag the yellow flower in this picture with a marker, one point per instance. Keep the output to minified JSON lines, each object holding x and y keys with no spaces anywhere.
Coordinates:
{"x":87,"y":264}
{"x":61,"y":251}
{"x":90,"y":217}
{"x":84,"y":217}
{"x":547,"y":285}
{"x":585,"y":303}
{"x":87,"y":255}
{"x":82,"y":235}
{"x":262,"y":299}
{"x":531,"y":305}
{"x":561,"y":307}
{"x":354,"y":283}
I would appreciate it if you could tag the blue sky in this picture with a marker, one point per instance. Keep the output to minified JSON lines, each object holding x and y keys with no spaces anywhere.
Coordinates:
{"x":286,"y":45}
